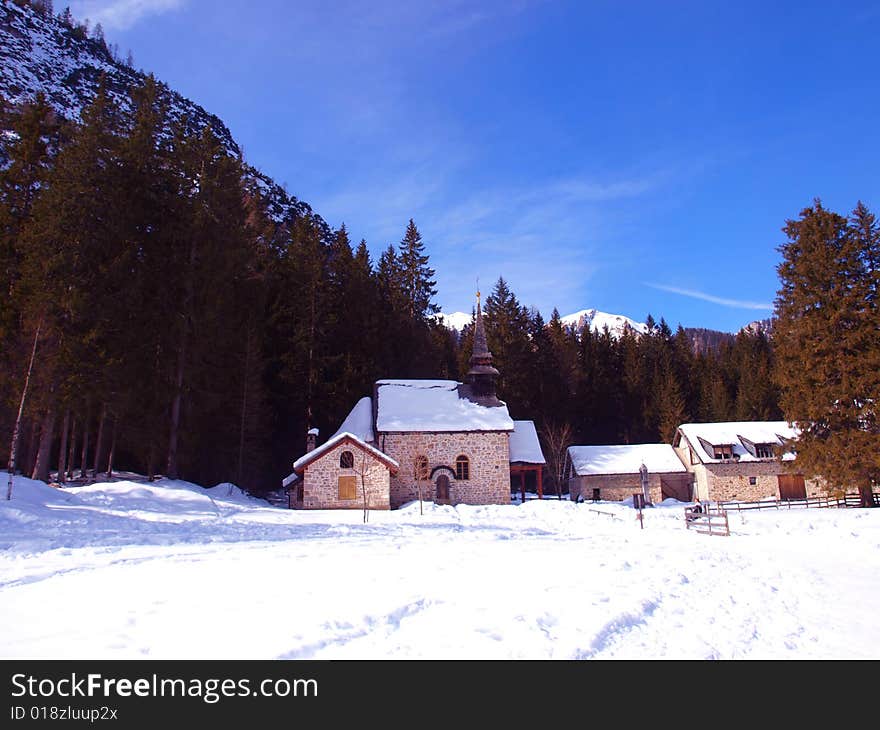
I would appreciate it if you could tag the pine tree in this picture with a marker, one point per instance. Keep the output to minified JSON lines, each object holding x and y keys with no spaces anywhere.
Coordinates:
{"x":26,"y":157}
{"x":30,"y":151}
{"x":418,"y":285}
{"x":671,"y":407}
{"x":507,"y":334}
{"x":554,"y":354}
{"x":363,"y":296}
{"x":757,"y":396}
{"x":343,"y":315}
{"x":213,"y":259}
{"x":827,"y":347}
{"x":70,"y":244}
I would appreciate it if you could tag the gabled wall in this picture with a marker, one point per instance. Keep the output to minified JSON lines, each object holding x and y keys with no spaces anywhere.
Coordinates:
{"x":488,"y":452}
{"x":320,"y":481}
{"x":730,"y":480}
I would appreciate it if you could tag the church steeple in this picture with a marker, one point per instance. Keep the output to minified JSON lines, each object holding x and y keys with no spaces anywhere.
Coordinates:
{"x":481,"y":375}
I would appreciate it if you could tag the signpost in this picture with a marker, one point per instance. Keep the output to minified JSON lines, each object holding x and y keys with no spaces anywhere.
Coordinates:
{"x":639,"y":503}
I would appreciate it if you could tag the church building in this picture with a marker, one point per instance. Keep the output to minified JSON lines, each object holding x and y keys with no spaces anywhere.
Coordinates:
{"x":438,"y":440}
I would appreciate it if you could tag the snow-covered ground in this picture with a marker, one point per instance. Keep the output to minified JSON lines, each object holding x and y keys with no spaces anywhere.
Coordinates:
{"x":127,"y":570}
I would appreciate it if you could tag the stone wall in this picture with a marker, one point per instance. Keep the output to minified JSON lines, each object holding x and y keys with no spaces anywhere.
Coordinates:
{"x":320,"y":481}
{"x":730,"y":481}
{"x":613,"y":487}
{"x":488,"y":452}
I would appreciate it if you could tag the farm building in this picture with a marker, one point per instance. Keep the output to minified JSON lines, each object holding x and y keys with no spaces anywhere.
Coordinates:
{"x":745,"y":461}
{"x":615,"y":472}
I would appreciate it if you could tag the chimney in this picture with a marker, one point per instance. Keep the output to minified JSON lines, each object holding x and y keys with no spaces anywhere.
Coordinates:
{"x":311,"y":437}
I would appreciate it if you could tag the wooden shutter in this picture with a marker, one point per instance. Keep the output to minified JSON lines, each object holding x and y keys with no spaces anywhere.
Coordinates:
{"x":347,"y":488}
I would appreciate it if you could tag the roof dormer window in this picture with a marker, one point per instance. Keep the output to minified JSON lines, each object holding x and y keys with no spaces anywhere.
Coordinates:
{"x":723,"y":452}
{"x":764,"y":451}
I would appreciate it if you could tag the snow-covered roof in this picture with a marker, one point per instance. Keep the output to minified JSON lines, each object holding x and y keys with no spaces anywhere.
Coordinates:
{"x":524,"y":444}
{"x":742,"y":436}
{"x":625,"y":459}
{"x":289,"y":479}
{"x":359,"y":421}
{"x":434,"y":405}
{"x":309,"y":457}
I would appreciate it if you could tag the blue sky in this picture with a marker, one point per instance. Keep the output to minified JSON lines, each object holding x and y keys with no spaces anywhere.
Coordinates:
{"x":634,"y":157}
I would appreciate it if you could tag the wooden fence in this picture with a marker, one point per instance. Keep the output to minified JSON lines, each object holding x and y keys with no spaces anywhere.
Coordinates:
{"x":847,"y":500}
{"x":710,"y":521}
{"x":601,"y":512}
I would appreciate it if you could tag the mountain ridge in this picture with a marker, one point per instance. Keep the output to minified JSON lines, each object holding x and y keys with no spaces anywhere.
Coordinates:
{"x":53,"y":55}
{"x":702,"y":339}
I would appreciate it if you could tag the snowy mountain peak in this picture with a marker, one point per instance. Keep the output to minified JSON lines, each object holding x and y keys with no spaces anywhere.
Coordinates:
{"x":592,"y":318}
{"x":455,"y":321}
{"x":597,"y":321}
{"x":759,"y":326}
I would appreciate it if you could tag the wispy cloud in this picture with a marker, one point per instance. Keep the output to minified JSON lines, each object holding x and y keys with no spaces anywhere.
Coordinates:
{"x":120,"y":14}
{"x":724,"y":302}
{"x":547,"y":240}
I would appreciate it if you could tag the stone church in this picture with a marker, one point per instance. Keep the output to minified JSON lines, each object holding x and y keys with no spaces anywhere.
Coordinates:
{"x":441,"y":440}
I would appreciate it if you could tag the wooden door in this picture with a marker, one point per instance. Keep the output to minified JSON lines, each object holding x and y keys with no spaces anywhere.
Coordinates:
{"x":443,"y":488}
{"x":792,"y":486}
{"x":676,"y":486}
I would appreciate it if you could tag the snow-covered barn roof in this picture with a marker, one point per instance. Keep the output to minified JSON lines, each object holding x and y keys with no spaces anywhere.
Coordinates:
{"x":303,"y":461}
{"x":290,"y":479}
{"x":741,"y":436}
{"x":524,"y":444}
{"x":624,"y":459}
{"x":434,"y":405}
{"x":359,"y":421}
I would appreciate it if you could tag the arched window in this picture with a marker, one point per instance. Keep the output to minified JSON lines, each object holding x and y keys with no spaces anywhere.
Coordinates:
{"x":462,"y":468}
{"x":421,"y":468}
{"x":346,"y":460}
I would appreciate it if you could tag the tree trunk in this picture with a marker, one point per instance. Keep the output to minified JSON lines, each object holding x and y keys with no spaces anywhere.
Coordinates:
{"x":171,"y":464}
{"x":16,"y":429}
{"x":866,"y":494}
{"x":363,"y":471}
{"x":310,"y":375}
{"x":364,"y":492}
{"x":151,"y":462}
{"x":244,"y":405}
{"x":30,"y":455}
{"x":99,"y":442}
{"x":84,"y":456}
{"x":112,"y":451}
{"x":44,"y":452}
{"x":62,"y":450}
{"x":71,"y":453}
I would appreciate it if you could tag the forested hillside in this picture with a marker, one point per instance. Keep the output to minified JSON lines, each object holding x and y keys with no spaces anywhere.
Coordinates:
{"x":168,"y":309}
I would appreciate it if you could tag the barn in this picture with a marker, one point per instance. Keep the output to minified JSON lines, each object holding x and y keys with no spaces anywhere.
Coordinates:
{"x":615,"y":473}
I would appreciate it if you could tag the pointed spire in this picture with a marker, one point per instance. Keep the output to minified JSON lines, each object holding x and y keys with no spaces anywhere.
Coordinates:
{"x":481,"y":348}
{"x":481,"y":375}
